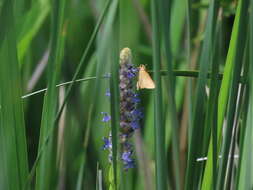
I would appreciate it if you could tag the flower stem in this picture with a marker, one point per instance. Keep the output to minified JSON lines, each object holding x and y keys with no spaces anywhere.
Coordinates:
{"x":179,"y":73}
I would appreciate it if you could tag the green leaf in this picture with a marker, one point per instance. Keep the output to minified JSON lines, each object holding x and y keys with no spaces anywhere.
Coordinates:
{"x":160,"y":158}
{"x":13,"y":147}
{"x":196,"y":135}
{"x":165,"y":18}
{"x":114,"y":89}
{"x":77,"y":72}
{"x":31,"y":24}
{"x":245,"y":163}
{"x":223,"y":96}
{"x":46,"y":171}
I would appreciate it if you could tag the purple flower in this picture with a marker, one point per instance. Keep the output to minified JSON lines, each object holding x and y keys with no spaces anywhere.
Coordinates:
{"x":136,"y":99}
{"x":134,"y":70}
{"x":126,"y":156}
{"x":128,"y":165}
{"x":130,"y":74}
{"x":130,"y":115}
{"x":127,"y":146}
{"x":107,"y":93}
{"x":127,"y":160}
{"x":107,"y":143}
{"x":135,"y":125}
{"x":137,"y":114}
{"x":106,"y":117}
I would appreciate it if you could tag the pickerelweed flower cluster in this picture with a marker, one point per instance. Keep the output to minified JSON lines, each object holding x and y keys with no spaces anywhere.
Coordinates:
{"x":130,"y":115}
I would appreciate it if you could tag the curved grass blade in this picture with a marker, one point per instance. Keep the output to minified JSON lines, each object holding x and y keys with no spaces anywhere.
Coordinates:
{"x":32,"y":22}
{"x":46,"y":173}
{"x":223,"y":98}
{"x":211,"y":118}
{"x":50,"y":133}
{"x":59,"y":85}
{"x":225,"y":85}
{"x":13,"y":147}
{"x":245,"y":171}
{"x":193,"y":170}
{"x":238,"y":56}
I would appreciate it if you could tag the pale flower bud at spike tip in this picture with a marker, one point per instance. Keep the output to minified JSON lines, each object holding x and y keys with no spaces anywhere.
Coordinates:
{"x":125,"y":55}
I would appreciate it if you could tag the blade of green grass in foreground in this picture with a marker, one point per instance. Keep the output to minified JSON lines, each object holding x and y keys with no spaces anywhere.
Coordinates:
{"x":165,"y":10}
{"x":32,"y":21}
{"x":46,"y":174}
{"x":13,"y":151}
{"x":223,"y":99}
{"x":189,"y":89}
{"x":86,"y":99}
{"x":129,"y":25}
{"x":246,"y":156}
{"x":193,"y":170}
{"x":233,"y":93}
{"x":77,"y":72}
{"x":107,"y":59}
{"x":226,"y":81}
{"x":210,"y":131}
{"x":114,"y":88}
{"x":160,"y":157}
{"x":177,"y":22}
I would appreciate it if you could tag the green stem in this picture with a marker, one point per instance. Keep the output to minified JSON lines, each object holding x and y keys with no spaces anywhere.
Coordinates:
{"x":178,"y":73}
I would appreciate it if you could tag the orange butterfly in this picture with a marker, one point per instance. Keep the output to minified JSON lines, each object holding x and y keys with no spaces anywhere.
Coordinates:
{"x":144,"y":79}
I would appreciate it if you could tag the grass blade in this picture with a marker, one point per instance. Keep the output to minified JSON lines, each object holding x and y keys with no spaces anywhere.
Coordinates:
{"x":77,"y":72}
{"x":165,"y":15}
{"x":114,"y":88}
{"x":32,"y":22}
{"x":223,"y":95}
{"x":46,"y":173}
{"x":160,"y":158}
{"x":245,"y":172}
{"x":193,"y":172}
{"x":211,"y":121}
{"x":238,"y":56}
{"x":14,"y":162}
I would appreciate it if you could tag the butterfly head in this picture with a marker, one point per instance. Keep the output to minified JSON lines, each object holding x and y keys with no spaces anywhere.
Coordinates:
{"x":142,"y":68}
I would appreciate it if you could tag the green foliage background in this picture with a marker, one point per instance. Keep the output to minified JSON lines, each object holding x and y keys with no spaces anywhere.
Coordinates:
{"x":197,"y":130}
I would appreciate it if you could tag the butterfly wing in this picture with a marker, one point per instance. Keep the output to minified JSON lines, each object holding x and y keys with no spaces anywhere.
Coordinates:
{"x":145,"y":80}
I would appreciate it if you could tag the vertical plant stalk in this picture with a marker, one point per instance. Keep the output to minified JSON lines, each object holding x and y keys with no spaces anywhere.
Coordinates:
{"x":196,"y":135}
{"x":13,"y":145}
{"x":46,"y":173}
{"x":165,"y":13}
{"x":233,"y":93}
{"x":114,"y":88}
{"x":144,"y":19}
{"x":244,"y":174}
{"x":160,"y":157}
